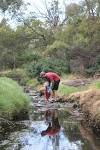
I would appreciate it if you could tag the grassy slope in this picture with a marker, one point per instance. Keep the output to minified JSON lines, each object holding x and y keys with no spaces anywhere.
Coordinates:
{"x":66,"y":90}
{"x":12,"y":98}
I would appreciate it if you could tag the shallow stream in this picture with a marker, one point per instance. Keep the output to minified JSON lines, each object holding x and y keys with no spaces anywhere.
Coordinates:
{"x":51,"y":126}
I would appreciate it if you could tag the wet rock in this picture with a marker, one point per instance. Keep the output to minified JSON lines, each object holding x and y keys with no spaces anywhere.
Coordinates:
{"x":75,"y":106}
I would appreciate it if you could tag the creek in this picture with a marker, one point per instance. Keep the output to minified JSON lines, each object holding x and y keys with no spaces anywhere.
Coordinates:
{"x":51,"y":126}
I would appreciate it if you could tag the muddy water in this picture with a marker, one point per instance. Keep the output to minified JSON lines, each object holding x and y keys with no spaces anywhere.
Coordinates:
{"x":52,"y":126}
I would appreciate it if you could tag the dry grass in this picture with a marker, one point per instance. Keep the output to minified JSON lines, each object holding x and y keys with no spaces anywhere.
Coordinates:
{"x":90,"y":102}
{"x":72,"y":77}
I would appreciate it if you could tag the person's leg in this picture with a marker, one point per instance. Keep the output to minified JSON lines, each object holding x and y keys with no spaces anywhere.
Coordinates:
{"x":53,"y":94}
{"x":54,"y":90}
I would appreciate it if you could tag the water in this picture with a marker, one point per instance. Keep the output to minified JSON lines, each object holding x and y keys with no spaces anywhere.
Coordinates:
{"x":52,"y":126}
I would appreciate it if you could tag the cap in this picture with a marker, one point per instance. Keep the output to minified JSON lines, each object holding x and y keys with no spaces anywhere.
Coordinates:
{"x":42,"y":74}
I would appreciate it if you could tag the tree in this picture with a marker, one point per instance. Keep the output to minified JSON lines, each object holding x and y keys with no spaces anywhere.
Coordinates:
{"x":10,"y":5}
{"x":53,"y":14}
{"x":13,"y":45}
{"x":73,"y":10}
{"x":92,"y":7}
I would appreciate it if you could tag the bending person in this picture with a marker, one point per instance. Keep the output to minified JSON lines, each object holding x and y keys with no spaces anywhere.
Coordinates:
{"x":53,"y":81}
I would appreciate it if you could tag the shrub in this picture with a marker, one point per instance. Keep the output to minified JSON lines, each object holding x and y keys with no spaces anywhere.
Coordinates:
{"x":47,"y":64}
{"x":94,"y":68}
{"x":12,"y":98}
{"x":19,"y":75}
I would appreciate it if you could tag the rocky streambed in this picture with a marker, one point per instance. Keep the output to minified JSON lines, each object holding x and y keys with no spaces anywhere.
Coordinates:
{"x":51,"y":126}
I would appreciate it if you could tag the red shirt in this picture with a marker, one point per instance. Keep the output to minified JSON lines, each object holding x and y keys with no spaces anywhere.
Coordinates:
{"x":52,"y":76}
{"x":53,"y":132}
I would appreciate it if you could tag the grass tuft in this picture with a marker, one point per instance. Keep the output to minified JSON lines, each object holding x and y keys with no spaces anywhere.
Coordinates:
{"x":95,"y":85}
{"x":66,"y":90}
{"x":12,"y":97}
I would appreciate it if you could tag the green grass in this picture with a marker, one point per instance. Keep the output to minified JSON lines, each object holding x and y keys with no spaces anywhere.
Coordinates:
{"x":12,"y":97}
{"x":16,"y":74}
{"x":66,"y":90}
{"x":33,"y":83}
{"x":95,"y":85}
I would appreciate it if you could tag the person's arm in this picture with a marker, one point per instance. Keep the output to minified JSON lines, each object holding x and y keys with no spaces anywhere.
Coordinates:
{"x":52,"y":84}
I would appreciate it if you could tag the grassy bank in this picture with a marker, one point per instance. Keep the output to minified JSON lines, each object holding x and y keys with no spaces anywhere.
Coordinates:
{"x":12,"y":98}
{"x":89,"y":101}
{"x":19,"y":75}
{"x":66,"y":90}
{"x":88,"y":97}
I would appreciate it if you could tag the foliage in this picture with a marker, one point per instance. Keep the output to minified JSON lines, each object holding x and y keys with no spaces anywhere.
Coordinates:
{"x":48,"y":64}
{"x":66,"y":90}
{"x":56,"y":47}
{"x":10,"y":4}
{"x":53,"y":44}
{"x":13,"y":44}
{"x":97,"y":85}
{"x":19,"y":75}
{"x":12,"y":98}
{"x":33,"y":83}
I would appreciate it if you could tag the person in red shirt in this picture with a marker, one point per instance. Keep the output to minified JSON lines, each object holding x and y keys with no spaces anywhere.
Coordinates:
{"x":53,"y":81}
{"x":53,"y":128}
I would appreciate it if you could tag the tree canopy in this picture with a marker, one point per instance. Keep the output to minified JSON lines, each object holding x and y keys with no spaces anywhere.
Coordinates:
{"x":36,"y":43}
{"x":10,"y":5}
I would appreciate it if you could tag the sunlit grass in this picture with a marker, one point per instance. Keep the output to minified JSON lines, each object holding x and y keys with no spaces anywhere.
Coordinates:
{"x":12,"y":97}
{"x":95,"y":85}
{"x":66,"y":90}
{"x":71,"y":76}
{"x":33,"y":83}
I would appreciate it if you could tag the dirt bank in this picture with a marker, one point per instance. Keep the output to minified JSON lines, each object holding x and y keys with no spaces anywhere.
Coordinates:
{"x":89,"y":102}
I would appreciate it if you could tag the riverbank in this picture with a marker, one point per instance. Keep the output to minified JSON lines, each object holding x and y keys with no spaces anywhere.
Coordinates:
{"x":86,"y":96}
{"x":85,"y":93}
{"x":13,"y":101}
{"x":89,"y":101}
{"x":71,"y":134}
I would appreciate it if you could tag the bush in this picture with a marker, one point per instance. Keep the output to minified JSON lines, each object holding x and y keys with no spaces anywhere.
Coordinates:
{"x":19,"y":75}
{"x":47,"y":64}
{"x":90,"y":71}
{"x":95,"y":68}
{"x":12,"y":98}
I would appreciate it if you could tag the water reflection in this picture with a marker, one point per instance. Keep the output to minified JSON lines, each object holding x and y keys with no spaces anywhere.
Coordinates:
{"x":57,"y":135}
{"x":53,"y":128}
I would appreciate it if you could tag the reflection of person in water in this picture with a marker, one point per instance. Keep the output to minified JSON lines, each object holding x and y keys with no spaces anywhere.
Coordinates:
{"x":53,"y":126}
